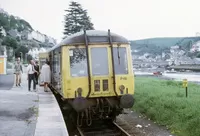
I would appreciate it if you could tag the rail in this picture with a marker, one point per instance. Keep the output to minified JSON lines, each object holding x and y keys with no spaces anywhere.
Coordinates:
{"x":110,"y":129}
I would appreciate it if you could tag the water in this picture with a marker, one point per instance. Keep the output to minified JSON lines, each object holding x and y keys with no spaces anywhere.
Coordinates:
{"x":193,"y":76}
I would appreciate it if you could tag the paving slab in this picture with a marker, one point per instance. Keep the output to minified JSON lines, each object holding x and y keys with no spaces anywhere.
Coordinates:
{"x":50,"y":121}
{"x":28,"y":113}
{"x":18,"y":108}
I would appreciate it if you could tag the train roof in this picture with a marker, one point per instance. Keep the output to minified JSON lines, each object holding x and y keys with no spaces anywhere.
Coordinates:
{"x":93,"y":37}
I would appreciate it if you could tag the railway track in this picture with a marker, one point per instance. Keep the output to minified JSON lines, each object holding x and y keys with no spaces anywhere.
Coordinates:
{"x":107,"y":129}
{"x":98,"y":128}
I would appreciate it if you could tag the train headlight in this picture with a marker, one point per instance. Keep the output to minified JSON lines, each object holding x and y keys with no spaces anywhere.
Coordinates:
{"x":79,"y":91}
{"x":121,"y":88}
{"x":105,"y":85}
{"x":97,"y":85}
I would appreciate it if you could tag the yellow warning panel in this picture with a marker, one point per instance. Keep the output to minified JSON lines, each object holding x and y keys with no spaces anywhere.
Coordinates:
{"x":185,"y":83}
{"x":2,"y":66}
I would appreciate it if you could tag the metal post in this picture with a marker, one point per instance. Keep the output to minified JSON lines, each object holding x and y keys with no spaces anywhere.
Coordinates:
{"x":113,"y":64}
{"x":21,"y":54}
{"x":186,"y":91}
{"x":88,"y":63}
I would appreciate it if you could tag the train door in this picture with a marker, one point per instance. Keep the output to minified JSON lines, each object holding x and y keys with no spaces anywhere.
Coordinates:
{"x":123,"y":69}
{"x":101,"y":77}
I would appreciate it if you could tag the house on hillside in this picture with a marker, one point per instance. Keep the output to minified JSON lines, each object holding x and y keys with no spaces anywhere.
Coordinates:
{"x":38,"y":36}
{"x":26,"y":35}
{"x":14,"y":33}
{"x":195,"y":47}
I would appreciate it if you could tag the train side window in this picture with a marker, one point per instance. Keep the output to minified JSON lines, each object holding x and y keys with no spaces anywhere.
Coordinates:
{"x":78,"y":62}
{"x":99,"y":57}
{"x":120,"y":60}
{"x":55,"y":63}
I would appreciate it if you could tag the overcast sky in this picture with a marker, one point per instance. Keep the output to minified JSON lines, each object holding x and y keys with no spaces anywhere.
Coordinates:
{"x":134,"y":19}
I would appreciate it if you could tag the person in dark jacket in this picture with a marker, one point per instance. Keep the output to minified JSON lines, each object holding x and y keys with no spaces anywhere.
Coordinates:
{"x":36,"y":67}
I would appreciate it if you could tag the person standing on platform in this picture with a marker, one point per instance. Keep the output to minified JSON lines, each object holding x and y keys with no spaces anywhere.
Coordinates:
{"x":31,"y":76}
{"x":36,"y":66}
{"x":18,"y":71}
{"x":46,"y":75}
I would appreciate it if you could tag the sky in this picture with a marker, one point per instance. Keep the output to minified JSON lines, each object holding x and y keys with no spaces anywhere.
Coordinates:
{"x":133,"y":19}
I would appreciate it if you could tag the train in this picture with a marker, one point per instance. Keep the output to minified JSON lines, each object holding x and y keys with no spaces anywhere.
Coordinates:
{"x":91,"y":72}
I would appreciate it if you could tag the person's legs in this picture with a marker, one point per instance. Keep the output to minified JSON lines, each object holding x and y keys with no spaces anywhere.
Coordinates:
{"x":29,"y":82}
{"x":36,"y":78}
{"x":45,"y":86}
{"x":34,"y":82}
{"x":17,"y":79}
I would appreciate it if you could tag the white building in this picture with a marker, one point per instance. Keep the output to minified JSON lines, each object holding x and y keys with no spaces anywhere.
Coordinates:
{"x":35,"y":52}
{"x":38,"y":36}
{"x":195,"y":47}
{"x":51,"y":40}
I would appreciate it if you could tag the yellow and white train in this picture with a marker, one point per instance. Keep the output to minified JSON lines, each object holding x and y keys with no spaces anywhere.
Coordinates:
{"x":92,"y":73}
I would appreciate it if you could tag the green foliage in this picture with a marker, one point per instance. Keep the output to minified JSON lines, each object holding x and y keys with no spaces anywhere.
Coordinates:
{"x":76,"y":19}
{"x":21,"y":49}
{"x":165,"y":103}
{"x":4,"y":21}
{"x":10,"y":42}
{"x":1,"y":35}
{"x":29,"y":57}
{"x":11,"y":22}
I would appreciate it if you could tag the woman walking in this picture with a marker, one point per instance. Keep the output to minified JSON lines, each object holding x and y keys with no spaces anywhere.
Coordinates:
{"x":46,"y":75}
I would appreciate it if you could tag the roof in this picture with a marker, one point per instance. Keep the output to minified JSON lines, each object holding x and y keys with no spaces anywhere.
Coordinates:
{"x":93,"y":37}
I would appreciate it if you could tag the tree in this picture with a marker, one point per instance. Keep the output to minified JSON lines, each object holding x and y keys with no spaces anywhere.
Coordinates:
{"x":10,"y":42}
{"x":21,"y":49}
{"x":29,"y":57}
{"x":1,"y":35}
{"x":76,"y":19}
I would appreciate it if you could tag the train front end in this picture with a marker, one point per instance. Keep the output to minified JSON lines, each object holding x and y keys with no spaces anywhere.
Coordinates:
{"x":99,"y":81}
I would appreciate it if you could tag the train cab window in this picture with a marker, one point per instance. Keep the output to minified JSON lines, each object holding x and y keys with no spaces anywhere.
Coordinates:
{"x":120,"y":60}
{"x":78,"y":62}
{"x":99,"y":58}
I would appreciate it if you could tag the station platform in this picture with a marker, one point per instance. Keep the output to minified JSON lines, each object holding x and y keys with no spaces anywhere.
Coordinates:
{"x":50,"y":121}
{"x":28,"y":113}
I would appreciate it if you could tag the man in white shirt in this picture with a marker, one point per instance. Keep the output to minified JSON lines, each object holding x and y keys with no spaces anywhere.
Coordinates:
{"x":31,"y":76}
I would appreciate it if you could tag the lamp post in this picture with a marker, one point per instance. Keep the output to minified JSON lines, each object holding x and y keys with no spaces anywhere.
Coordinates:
{"x":21,"y":54}
{"x":26,"y":55}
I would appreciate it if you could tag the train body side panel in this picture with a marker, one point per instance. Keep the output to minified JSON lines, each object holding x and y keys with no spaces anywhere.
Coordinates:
{"x":64,"y":72}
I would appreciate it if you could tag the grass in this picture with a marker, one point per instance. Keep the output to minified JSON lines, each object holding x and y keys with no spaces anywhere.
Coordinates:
{"x":165,"y":103}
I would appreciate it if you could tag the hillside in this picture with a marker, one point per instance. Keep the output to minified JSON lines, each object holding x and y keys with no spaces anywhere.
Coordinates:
{"x":9,"y":22}
{"x":159,"y":45}
{"x":17,"y":35}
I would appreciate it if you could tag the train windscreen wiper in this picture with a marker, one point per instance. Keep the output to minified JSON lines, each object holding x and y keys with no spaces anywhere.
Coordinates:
{"x":118,"y":54}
